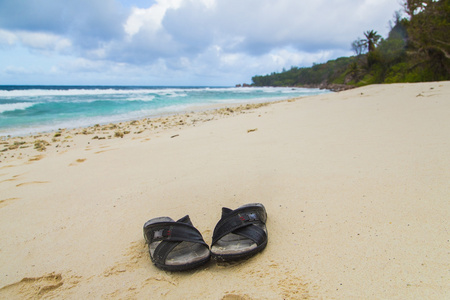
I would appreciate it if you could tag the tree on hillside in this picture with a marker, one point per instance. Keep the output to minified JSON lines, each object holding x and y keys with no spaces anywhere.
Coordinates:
{"x":372,"y":39}
{"x":416,"y":49}
{"x":358,"y":46}
{"x":429,"y":31}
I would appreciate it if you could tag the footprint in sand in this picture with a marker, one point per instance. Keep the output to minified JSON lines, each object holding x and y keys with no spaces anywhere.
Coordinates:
{"x":5,"y":202}
{"x":284,"y":285}
{"x":98,"y":152}
{"x":236,"y":297}
{"x":14,"y":178}
{"x":133,"y":258}
{"x":31,"y":182}
{"x":32,"y":287}
{"x":78,"y":161}
{"x":6,"y":180}
{"x":36,"y":158}
{"x":7,"y":166}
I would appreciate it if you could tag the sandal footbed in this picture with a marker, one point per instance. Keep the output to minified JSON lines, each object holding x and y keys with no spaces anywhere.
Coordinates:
{"x":236,"y":247}
{"x":185,"y":256}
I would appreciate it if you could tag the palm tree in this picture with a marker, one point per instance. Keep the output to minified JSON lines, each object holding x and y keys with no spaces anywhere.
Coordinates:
{"x":372,"y":38}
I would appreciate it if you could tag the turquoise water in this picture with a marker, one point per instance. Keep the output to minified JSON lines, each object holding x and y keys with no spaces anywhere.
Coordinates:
{"x":31,"y":109}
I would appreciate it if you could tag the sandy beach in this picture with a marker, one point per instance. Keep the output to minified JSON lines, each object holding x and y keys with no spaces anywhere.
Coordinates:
{"x":356,"y":185}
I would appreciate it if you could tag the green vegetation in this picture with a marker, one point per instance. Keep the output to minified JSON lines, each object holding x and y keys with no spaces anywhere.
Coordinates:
{"x":417,"y":49}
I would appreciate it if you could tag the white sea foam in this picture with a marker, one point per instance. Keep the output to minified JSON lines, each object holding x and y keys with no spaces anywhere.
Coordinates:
{"x":174,"y":92}
{"x":44,"y":92}
{"x":76,"y":92}
{"x":166,"y":101}
{"x":16,"y":106}
{"x":143,"y":98}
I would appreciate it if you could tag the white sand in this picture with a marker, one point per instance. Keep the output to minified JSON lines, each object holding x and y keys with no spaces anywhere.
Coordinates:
{"x":356,"y":185}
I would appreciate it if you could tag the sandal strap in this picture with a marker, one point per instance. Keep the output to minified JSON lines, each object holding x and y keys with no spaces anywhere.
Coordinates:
{"x":163,"y":250}
{"x":242,"y":221}
{"x":255,"y":233}
{"x":171,"y":234}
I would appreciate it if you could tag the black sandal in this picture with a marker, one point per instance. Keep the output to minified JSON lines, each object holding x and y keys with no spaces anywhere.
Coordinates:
{"x":240,"y":233}
{"x":175,"y":246}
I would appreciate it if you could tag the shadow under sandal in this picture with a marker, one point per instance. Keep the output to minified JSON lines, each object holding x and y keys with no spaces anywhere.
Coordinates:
{"x":175,"y":246}
{"x":240,"y":233}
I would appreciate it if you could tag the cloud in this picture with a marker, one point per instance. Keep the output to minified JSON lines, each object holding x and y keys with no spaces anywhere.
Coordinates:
{"x":44,"y":41}
{"x":190,"y":38}
{"x":228,"y":33}
{"x":149,"y":17}
{"x":86,"y":22}
{"x":259,"y":26}
{"x":189,"y":27}
{"x":7,"y":38}
{"x":13,"y":70}
{"x":32,"y":15}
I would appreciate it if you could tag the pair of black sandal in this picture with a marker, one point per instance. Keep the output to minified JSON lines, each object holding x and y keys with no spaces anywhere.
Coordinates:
{"x":179,"y":246}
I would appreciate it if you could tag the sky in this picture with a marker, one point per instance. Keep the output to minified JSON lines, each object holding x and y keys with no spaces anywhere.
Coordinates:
{"x":177,"y":42}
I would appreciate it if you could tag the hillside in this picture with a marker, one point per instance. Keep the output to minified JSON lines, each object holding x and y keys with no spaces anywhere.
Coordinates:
{"x":416,"y":49}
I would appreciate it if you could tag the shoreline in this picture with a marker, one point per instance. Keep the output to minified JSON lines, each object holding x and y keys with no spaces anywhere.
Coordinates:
{"x":333,"y":87}
{"x":232,"y":97}
{"x":12,"y":147}
{"x":330,"y":86}
{"x":355,"y":185}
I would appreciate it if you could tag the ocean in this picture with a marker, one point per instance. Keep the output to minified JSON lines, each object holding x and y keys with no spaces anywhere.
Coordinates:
{"x":28,"y":110}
